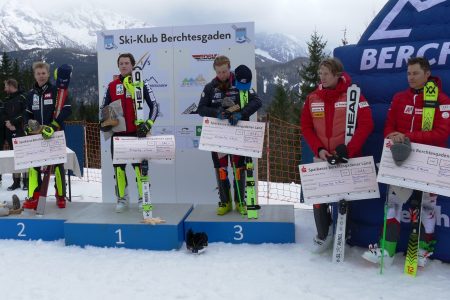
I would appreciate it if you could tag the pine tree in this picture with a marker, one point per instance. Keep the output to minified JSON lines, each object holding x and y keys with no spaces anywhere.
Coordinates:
{"x":281,"y":106}
{"x":5,"y":72}
{"x":309,"y":73}
{"x":15,"y":70}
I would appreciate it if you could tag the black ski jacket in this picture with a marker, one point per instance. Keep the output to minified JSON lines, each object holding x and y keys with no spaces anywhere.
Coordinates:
{"x":41,"y":104}
{"x":212,"y":98}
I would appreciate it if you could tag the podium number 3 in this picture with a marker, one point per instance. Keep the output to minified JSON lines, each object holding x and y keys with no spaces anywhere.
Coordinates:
{"x":238,"y":234}
{"x":22,"y":229}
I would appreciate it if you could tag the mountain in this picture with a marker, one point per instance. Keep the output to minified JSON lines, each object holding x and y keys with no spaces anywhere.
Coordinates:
{"x":23,"y":28}
{"x":70,"y":37}
{"x":277,"y":47}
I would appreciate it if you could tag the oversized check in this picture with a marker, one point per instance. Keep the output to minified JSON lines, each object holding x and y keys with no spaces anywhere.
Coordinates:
{"x":129,"y":149}
{"x":426,"y":169}
{"x":246,"y":138}
{"x":35,"y":151}
{"x":355,"y":180}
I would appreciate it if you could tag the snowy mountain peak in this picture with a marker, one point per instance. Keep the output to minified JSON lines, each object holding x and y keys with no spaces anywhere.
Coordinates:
{"x":22,"y":27}
{"x":278,"y":47}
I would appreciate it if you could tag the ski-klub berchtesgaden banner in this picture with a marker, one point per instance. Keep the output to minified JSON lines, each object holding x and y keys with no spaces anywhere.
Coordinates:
{"x":176,"y":63}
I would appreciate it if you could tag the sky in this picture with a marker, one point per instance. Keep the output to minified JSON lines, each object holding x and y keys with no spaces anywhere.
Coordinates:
{"x":296,"y":18}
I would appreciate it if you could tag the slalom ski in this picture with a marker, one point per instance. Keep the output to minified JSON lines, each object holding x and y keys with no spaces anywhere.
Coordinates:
{"x":250,"y":191}
{"x":138,"y":97}
{"x":147,"y":207}
{"x":353,"y":95}
{"x":430,"y":99}
{"x":412,"y":251}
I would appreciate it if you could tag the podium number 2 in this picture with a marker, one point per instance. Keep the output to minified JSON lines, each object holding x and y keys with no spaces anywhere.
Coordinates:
{"x":239,"y":235}
{"x":22,"y":229}
{"x":119,"y":235}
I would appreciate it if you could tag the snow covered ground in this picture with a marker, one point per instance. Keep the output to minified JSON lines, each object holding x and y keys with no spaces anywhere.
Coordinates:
{"x":49,"y":270}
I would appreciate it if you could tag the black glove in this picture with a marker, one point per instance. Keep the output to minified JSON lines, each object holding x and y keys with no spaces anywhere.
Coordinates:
{"x":340,"y":155}
{"x":143,"y":127}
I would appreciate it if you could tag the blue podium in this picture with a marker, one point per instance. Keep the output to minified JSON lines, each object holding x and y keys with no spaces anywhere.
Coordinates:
{"x":276,"y":224}
{"x":101,"y":226}
{"x":48,"y":227}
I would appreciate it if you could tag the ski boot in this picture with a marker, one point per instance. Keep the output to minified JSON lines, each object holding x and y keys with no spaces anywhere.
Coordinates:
{"x":31,"y":203}
{"x":239,"y":192}
{"x":223,"y":184}
{"x":425,"y":251}
{"x":123,"y":201}
{"x":61,"y":201}
{"x":224,"y":208}
{"x":122,"y":205}
{"x":25,"y":183}
{"x":324,"y":225}
{"x":15,"y":185}
{"x":322,"y":245}
{"x":374,"y":254}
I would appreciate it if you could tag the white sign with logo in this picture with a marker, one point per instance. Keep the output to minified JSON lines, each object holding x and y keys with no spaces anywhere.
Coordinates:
{"x":176,"y":64}
{"x":35,"y":151}
{"x":355,"y":180}
{"x":129,"y":149}
{"x":426,"y":169}
{"x":246,"y":138}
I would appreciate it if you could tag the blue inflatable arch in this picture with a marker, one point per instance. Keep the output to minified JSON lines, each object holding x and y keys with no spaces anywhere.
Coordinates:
{"x":403,"y":28}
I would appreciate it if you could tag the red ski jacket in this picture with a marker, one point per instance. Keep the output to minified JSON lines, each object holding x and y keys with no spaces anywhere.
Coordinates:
{"x":405,"y":116}
{"x":323,"y":119}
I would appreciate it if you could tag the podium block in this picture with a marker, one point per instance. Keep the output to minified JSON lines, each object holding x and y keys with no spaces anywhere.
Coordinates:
{"x":48,"y":227}
{"x":275,"y":224}
{"x":101,"y":226}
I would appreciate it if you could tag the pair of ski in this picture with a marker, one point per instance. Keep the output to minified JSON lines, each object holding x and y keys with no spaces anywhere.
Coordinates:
{"x":250,"y":190}
{"x":62,"y":83}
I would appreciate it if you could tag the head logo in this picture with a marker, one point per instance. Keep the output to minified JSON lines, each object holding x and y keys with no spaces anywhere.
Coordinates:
{"x":241,"y":34}
{"x":16,"y":141}
{"x":108,"y":42}
{"x":207,"y":121}
{"x":304,"y":170}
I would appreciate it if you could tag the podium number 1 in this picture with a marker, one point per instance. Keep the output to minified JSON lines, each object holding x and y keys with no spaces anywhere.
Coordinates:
{"x":119,"y":235}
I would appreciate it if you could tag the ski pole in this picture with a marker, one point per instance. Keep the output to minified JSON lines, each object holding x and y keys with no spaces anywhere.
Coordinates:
{"x":383,"y":239}
{"x":237,"y":186}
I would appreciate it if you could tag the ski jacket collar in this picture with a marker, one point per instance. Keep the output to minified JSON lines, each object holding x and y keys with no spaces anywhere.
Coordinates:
{"x":329,"y":94}
{"x":41,"y":89}
{"x":436,"y":80}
